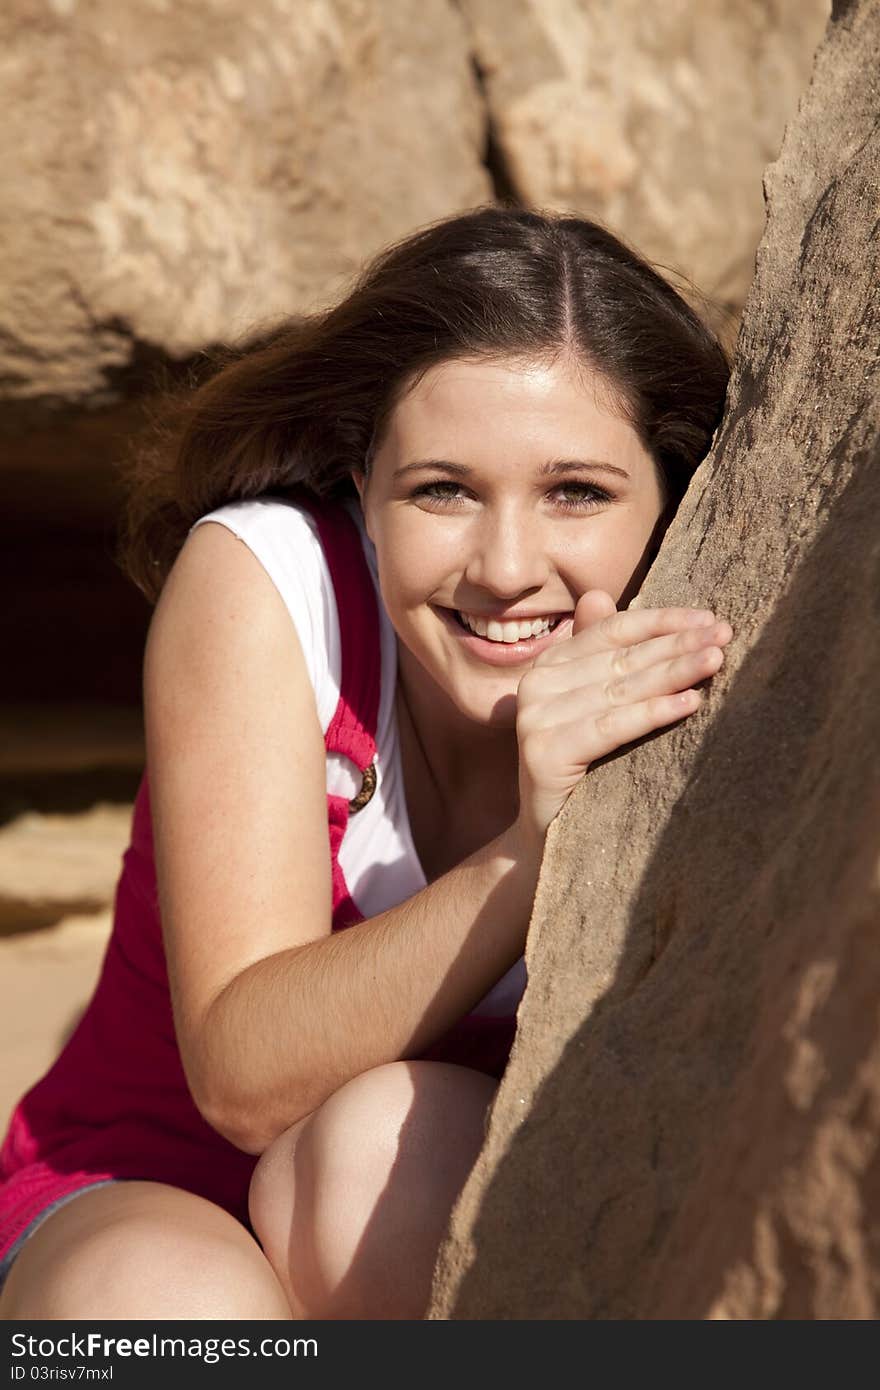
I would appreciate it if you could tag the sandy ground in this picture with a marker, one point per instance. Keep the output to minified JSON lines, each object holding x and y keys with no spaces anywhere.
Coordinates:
{"x":57,"y":879}
{"x":46,"y":978}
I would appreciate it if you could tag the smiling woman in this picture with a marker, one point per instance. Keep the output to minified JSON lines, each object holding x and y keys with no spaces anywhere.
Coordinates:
{"x":360,"y":723}
{"x":508,"y":540}
{"x":485,"y":540}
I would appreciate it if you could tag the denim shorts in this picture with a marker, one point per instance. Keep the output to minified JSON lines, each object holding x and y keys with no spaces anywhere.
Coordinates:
{"x":14,"y":1250}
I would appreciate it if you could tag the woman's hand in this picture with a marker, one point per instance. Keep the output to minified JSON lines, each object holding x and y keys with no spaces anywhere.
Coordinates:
{"x":618,"y":677}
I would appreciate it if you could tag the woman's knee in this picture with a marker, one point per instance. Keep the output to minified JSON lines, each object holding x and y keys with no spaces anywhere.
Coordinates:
{"x":427,"y":1110}
{"x":142,"y":1250}
{"x":402,"y":1111}
{"x":351,"y":1203}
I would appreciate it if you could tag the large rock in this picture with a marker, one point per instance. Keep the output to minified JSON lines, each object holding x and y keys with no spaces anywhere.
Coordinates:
{"x":172,"y":174}
{"x":52,"y":866}
{"x":178,"y":171}
{"x":46,"y":981}
{"x":690,"y":1123}
{"x":655,"y":118}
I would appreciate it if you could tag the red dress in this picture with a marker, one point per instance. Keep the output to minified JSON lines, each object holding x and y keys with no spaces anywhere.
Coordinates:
{"x":116,"y":1103}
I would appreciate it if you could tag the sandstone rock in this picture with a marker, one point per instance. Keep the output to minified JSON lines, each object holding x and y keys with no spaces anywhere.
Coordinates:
{"x":690,"y":1123}
{"x":170,"y":173}
{"x":657,"y":119}
{"x":52,"y":866}
{"x":70,"y":737}
{"x":175,"y":172}
{"x":46,"y":980}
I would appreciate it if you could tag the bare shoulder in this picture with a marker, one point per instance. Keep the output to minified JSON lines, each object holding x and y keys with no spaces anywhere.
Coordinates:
{"x":215,"y":578}
{"x":236,"y":759}
{"x":223,"y":660}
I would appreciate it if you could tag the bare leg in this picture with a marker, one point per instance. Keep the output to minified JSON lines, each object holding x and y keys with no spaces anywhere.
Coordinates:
{"x":351,"y":1203}
{"x":141,"y":1250}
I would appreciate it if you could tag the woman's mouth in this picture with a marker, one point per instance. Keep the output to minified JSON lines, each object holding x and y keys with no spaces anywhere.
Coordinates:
{"x":507,"y":632}
{"x":505,"y":643}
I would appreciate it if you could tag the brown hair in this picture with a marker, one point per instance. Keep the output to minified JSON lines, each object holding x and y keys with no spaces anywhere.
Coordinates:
{"x":306,"y":404}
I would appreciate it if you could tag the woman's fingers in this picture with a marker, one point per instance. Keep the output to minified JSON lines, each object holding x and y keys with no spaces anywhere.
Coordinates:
{"x":616,"y":630}
{"x":664,"y":677}
{"x":638,"y":656}
{"x":591,"y":608}
{"x":554,"y":758}
{"x":620,"y":663}
{"x":622,"y":724}
{"x":587,"y":700}
{"x":616,"y":678}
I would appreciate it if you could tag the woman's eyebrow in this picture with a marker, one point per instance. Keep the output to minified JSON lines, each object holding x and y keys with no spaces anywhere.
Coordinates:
{"x":551,"y":469}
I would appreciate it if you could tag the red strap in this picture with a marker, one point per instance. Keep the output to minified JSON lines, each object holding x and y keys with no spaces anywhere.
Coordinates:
{"x":352,"y":730}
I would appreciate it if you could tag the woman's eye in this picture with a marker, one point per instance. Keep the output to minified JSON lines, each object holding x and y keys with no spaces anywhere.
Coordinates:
{"x":582,"y":496}
{"x":438,"y":492}
{"x":574,"y":496}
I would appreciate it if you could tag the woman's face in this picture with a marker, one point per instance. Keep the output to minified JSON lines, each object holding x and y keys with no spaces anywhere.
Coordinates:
{"x":500,"y":493}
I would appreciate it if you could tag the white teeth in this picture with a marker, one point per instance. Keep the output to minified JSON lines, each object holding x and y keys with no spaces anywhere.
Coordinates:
{"x":507,"y":632}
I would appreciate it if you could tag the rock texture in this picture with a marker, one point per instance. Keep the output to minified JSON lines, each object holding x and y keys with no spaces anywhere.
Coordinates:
{"x":655,"y":118}
{"x":170,"y":173}
{"x":52,"y":866}
{"x":690,"y":1123}
{"x":175,"y":172}
{"x":46,"y":980}
{"x":58,"y":872}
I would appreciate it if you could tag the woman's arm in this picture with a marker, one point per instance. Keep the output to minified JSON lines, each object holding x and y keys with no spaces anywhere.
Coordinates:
{"x":292,"y":1028}
{"x":273,"y":1013}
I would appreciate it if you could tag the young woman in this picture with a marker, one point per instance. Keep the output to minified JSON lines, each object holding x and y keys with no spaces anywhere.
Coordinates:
{"x":395,"y":546}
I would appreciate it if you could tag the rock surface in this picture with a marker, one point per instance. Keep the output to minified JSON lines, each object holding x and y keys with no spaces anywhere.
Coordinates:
{"x":46,"y":980}
{"x":654,"y":118}
{"x":52,"y":866}
{"x":690,"y":1123}
{"x":44,"y":739}
{"x":176,"y":172}
{"x":170,"y":173}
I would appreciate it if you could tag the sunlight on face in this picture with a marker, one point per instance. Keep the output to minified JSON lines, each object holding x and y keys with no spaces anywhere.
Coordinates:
{"x":502,"y":490}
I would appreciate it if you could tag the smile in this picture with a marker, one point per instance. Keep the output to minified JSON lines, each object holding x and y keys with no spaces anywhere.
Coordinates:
{"x":518,"y":646}
{"x":518,"y":631}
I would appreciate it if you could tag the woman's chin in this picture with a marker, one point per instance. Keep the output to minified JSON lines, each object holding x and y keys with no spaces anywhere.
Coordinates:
{"x":494,"y":711}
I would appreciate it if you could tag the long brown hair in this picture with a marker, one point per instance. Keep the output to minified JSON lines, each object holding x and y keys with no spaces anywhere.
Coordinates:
{"x":306,"y":403}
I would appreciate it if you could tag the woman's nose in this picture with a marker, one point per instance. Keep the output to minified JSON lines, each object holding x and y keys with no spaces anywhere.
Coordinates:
{"x":508,"y":555}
